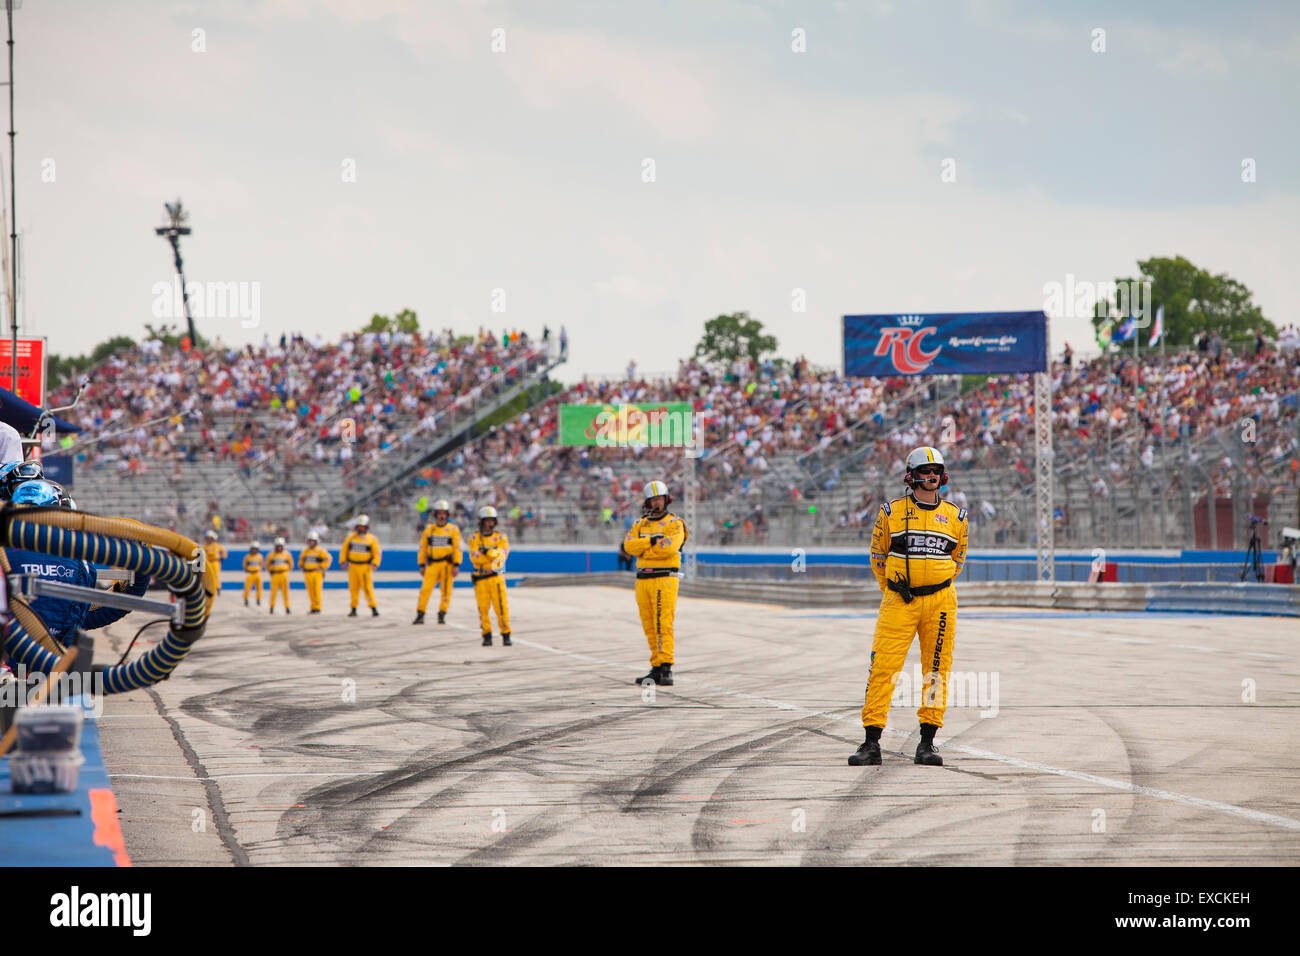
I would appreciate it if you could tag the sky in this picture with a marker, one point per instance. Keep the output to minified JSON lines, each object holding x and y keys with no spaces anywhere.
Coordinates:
{"x":630,"y":170}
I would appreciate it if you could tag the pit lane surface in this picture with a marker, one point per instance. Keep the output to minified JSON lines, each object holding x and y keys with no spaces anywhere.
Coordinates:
{"x":1116,"y":739}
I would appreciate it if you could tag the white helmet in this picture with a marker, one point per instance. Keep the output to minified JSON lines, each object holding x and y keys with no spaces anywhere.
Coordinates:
{"x":279,"y":542}
{"x":442,"y":504}
{"x":211,"y":536}
{"x":655,"y":489}
{"x":363,"y":521}
{"x":487,"y":511}
{"x":255,"y":546}
{"x":925,"y":455}
{"x":313,"y":536}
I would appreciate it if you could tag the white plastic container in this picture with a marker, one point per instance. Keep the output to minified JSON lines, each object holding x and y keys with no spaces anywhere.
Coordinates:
{"x":45,"y":772}
{"x":49,"y":729}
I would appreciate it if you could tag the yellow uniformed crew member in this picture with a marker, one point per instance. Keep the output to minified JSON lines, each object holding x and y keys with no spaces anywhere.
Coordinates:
{"x":279,"y":562}
{"x":918,"y":548}
{"x":314,"y":562}
{"x":360,"y":552}
{"x":253,"y":572}
{"x":439,"y":558}
{"x":214,"y":553}
{"x":656,"y":541}
{"x":488,"y":550}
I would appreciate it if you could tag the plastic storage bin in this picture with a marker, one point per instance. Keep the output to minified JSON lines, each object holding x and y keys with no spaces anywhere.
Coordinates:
{"x":45,"y":729}
{"x":45,"y":772}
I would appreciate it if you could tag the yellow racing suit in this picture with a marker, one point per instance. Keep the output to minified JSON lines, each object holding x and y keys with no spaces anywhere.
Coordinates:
{"x":360,"y":552}
{"x":657,"y":568}
{"x":921,"y":548}
{"x":439,"y":558}
{"x":279,"y":563}
{"x":488,"y":553}
{"x":214,"y":553}
{"x":253,"y":575}
{"x":314,"y":562}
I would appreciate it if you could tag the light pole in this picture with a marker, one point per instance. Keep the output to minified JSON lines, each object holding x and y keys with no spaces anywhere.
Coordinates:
{"x":172,"y":232}
{"x":13,"y":208}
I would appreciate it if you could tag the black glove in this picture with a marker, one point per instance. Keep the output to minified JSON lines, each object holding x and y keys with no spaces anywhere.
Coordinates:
{"x":655,"y":539}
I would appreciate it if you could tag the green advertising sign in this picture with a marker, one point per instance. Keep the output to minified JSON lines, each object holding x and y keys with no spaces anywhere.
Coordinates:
{"x":653,"y":424}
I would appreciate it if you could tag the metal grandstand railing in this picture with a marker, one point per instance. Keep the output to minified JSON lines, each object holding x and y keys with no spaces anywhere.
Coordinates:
{"x":452,"y":426}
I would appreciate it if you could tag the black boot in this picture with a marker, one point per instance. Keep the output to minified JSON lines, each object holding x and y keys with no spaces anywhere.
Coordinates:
{"x":374,"y":612}
{"x":868,"y":755}
{"x":505,"y":639}
{"x":352,"y":613}
{"x":666,"y":675}
{"x":652,"y":677}
{"x":419,"y":617}
{"x":442,"y":617}
{"x":286,"y":610}
{"x":925,"y":752}
{"x":487,"y":639}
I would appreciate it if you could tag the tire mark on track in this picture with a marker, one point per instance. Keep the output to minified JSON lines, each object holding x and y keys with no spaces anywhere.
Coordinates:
{"x":426,"y":766}
{"x":709,"y":822}
{"x":533,"y":831}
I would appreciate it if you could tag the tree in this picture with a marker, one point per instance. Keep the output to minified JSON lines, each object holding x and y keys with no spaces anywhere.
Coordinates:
{"x":171,"y":335}
{"x":729,"y":337}
{"x":64,"y":368}
{"x":1195,"y":301}
{"x":404,"y":321}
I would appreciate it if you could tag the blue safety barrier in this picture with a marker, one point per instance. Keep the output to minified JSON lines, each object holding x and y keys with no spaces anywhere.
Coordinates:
{"x":62,"y":829}
{"x":539,"y":559}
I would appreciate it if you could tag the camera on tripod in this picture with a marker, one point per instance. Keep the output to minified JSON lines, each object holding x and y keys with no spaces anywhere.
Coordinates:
{"x":1253,"y":566}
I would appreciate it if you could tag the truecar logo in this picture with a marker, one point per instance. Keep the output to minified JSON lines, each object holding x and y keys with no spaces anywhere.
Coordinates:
{"x":78,"y":909}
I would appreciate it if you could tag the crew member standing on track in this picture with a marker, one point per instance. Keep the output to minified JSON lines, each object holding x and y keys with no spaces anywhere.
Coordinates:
{"x":314,"y":562}
{"x":439,"y":558}
{"x":918,"y":598}
{"x":214,"y":553}
{"x":656,"y":541}
{"x":279,"y":562}
{"x":253,"y":572}
{"x":488,"y":550}
{"x":360,"y":552}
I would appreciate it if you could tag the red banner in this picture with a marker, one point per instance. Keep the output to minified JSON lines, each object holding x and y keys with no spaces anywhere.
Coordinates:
{"x":31,"y":368}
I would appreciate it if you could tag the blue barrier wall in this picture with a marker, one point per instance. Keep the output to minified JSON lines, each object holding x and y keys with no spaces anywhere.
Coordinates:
{"x":526,"y":559}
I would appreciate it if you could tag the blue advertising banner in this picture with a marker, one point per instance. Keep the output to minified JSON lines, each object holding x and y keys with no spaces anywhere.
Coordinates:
{"x":59,"y":468}
{"x":946,"y":343}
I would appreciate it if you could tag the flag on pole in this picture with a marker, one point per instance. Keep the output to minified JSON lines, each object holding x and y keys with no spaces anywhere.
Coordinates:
{"x":1158,"y":326}
{"x":1104,"y":334}
{"x":1127,"y":329}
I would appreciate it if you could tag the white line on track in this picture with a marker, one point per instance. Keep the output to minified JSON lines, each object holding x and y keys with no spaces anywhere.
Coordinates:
{"x":1244,"y":813}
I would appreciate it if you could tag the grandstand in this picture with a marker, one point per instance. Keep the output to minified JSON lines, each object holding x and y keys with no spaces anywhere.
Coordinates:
{"x":791,"y":456}
{"x":274,"y":450}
